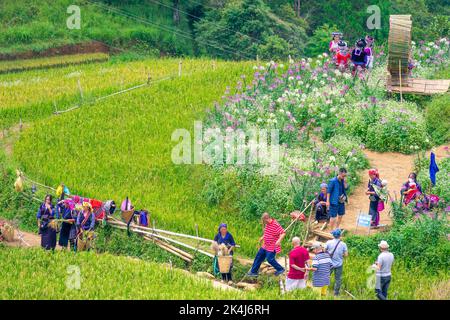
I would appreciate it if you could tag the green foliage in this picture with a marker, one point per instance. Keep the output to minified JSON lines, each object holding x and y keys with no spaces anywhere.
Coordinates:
{"x":437,"y":117}
{"x":417,"y":243}
{"x":243,"y":29}
{"x":387,"y":126}
{"x":442,"y":180}
{"x":319,"y":41}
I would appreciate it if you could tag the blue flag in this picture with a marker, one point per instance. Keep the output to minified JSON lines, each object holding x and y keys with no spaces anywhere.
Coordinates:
{"x":433,"y":168}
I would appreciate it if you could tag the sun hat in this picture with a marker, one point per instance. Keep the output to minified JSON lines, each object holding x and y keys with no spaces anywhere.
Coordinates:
{"x":87,"y":205}
{"x":336,"y":233}
{"x":383,"y":244}
{"x":316,"y":245}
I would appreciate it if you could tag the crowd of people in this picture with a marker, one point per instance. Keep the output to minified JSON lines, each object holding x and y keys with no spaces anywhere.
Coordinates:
{"x":361,"y":56}
{"x":327,"y":259}
{"x":75,"y":221}
{"x":78,"y":217}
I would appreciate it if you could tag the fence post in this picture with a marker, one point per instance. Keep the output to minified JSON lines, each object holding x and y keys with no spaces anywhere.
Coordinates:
{"x":180,"y":66}
{"x":81,"y":90}
{"x":56,"y":108}
{"x":149,"y":78}
{"x":257,"y":59}
{"x":20,"y":124}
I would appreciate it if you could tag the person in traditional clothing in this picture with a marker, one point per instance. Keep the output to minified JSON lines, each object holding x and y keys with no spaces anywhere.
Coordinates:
{"x":359,"y":56}
{"x":369,"y":51}
{"x":342,"y":56}
{"x":226,"y":238}
{"x":333,"y":48}
{"x":320,"y":204}
{"x":373,"y":196}
{"x":46,"y":213}
{"x":68,"y":231}
{"x":412,"y":178}
{"x":86,"y":218}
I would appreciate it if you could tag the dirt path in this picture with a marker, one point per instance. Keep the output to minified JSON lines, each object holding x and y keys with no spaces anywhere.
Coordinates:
{"x":395,"y":168}
{"x":24,"y":239}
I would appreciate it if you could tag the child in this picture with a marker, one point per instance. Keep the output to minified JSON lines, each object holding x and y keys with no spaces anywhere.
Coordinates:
{"x":320,"y":204}
{"x":369,"y":51}
{"x":342,"y":56}
{"x":359,"y":56}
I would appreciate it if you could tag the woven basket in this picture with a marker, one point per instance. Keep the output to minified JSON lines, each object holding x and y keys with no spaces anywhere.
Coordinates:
{"x":83,"y":242}
{"x":126,"y":215}
{"x":225,"y":263}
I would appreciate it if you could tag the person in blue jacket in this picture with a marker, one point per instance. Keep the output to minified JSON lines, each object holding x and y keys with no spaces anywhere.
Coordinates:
{"x":336,"y":198}
{"x":225,"y":237}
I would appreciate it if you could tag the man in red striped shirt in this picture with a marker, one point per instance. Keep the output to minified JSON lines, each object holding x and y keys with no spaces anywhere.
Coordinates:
{"x":272,"y":237}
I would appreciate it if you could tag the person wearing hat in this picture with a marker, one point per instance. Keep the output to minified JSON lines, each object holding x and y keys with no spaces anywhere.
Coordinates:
{"x":86,"y":218}
{"x":374,"y":180}
{"x":223,"y":236}
{"x":342,"y":55}
{"x":336,"y":37}
{"x":383,"y":267}
{"x":320,"y":204}
{"x":321,"y":267}
{"x":337,"y":249}
{"x":359,"y":56}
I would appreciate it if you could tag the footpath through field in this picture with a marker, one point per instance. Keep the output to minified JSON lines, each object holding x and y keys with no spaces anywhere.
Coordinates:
{"x":395,"y":168}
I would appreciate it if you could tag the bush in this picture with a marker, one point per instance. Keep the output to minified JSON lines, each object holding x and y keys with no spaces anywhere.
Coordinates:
{"x":387,"y":126}
{"x":437,"y":117}
{"x":418,"y":243}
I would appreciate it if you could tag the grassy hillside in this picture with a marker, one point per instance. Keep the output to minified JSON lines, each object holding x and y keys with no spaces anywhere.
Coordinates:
{"x":113,"y":277}
{"x":41,"y":24}
{"x":122,"y":147}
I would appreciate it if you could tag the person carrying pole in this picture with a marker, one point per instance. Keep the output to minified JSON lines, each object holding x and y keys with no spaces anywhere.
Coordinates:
{"x":271,"y":245}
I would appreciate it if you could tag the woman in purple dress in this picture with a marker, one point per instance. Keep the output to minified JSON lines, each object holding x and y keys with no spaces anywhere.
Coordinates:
{"x":46,"y":213}
{"x":373,"y":196}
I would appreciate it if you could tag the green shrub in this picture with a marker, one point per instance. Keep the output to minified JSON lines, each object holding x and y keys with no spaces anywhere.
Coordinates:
{"x":418,"y":243}
{"x":387,"y":126}
{"x":437,"y":116}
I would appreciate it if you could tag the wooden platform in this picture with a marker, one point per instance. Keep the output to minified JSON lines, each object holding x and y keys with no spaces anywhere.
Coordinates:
{"x":421,"y":86}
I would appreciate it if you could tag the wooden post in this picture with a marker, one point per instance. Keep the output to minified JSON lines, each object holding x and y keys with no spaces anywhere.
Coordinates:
{"x":149,"y":78}
{"x":196,"y":233}
{"x":80,"y":89}
{"x":257,"y":59}
{"x":56,"y":109}
{"x":20,"y":124}
{"x":400,"y":75}
{"x":180,"y":66}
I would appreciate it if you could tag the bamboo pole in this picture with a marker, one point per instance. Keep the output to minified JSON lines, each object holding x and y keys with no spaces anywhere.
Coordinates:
{"x":296,"y":219}
{"x":164,"y":238}
{"x":182,"y":235}
{"x":400,"y":75}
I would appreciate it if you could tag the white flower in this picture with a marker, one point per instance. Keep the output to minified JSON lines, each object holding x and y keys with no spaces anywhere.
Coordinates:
{"x":332,"y":159}
{"x":323,"y":115}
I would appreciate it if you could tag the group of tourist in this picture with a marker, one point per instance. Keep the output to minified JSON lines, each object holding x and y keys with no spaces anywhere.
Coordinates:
{"x":361,"y":56}
{"x":326,"y":260}
{"x":74,"y":222}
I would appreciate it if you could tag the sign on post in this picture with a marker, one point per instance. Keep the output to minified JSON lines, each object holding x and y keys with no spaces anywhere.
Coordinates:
{"x":364,"y":220}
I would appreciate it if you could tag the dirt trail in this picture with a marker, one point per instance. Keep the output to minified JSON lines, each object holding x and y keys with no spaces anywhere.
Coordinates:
{"x":24,"y":239}
{"x":395,"y":168}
